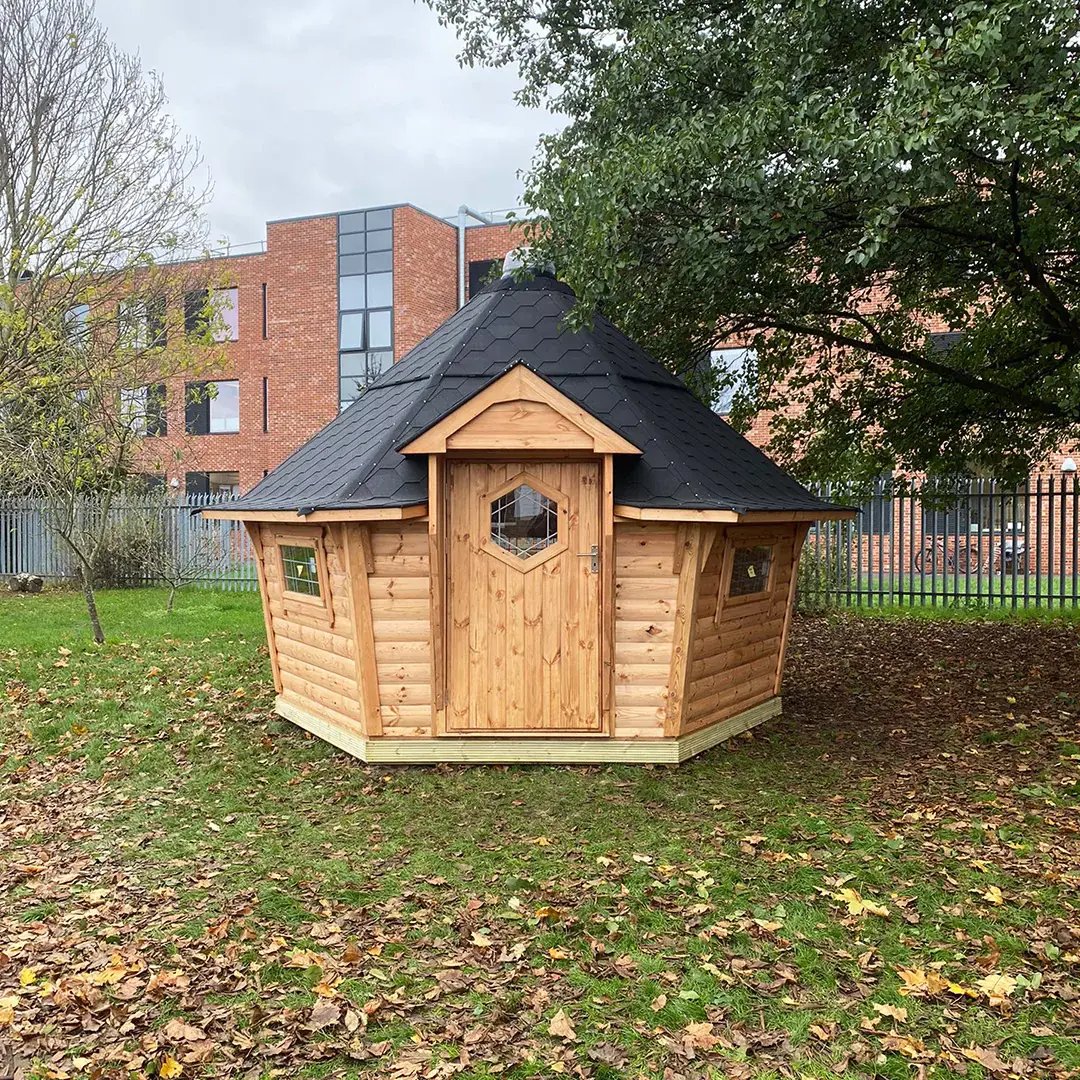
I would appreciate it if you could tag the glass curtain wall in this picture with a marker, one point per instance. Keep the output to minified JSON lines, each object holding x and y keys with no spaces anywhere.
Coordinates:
{"x":365,"y":300}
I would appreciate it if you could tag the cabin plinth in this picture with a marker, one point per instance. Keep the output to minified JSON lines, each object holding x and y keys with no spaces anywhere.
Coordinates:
{"x":526,"y":544}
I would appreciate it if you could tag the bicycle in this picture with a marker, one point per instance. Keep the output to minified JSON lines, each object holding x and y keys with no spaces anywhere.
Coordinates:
{"x":938,"y":557}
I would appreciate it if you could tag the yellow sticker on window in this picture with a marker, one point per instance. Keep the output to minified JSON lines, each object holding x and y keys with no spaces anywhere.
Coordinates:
{"x":751,"y":572}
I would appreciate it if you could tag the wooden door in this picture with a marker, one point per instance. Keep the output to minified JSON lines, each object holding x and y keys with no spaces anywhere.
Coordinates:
{"x":523,"y":597}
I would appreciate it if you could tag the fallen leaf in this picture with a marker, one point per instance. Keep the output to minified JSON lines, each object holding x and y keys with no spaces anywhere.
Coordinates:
{"x":903,"y":1044}
{"x":858,"y":906}
{"x":988,"y":1059}
{"x":170,"y":1067}
{"x":700,"y":1036}
{"x":324,"y":1013}
{"x":561,"y":1027}
{"x":996,"y":988}
{"x":178,"y":1031}
{"x":896,"y":1012}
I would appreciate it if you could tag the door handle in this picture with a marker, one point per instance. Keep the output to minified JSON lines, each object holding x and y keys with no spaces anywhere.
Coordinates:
{"x":594,"y":554}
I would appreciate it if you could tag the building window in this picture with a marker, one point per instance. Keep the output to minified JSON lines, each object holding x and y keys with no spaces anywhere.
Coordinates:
{"x":213,"y":408}
{"x":195,"y":303}
{"x":730,"y":366}
{"x":306,"y":583}
{"x":481,"y":271}
{"x":750,"y":570}
{"x":300,"y":568}
{"x":77,"y":323}
{"x":219,"y":484}
{"x":266,"y":404}
{"x":218,"y":308}
{"x":226,"y":308}
{"x":142,"y":322}
{"x":143,"y":409}
{"x":265,"y":313}
{"x":365,"y":299}
{"x":359,"y":370}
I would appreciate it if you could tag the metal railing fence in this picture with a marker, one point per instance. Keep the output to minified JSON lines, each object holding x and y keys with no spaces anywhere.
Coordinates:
{"x":982,"y":544}
{"x":221,"y":550}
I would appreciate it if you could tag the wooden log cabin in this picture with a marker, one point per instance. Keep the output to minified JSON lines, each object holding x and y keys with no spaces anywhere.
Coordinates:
{"x":527,"y":544}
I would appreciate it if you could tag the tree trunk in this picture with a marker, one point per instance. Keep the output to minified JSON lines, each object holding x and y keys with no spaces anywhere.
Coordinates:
{"x":172,"y":599}
{"x":91,"y":605}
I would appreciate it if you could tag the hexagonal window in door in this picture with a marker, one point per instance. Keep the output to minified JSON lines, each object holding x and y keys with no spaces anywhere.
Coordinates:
{"x":524,"y":521}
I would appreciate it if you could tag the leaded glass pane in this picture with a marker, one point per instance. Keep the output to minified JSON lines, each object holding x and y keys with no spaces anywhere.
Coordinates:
{"x":750,"y":570}
{"x":301,"y":569}
{"x":524,"y":521}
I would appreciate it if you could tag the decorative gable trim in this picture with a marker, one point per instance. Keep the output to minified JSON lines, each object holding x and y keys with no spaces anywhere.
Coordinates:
{"x":519,"y":411}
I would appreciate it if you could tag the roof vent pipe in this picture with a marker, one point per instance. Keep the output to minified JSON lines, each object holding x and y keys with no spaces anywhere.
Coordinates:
{"x":522,"y":258}
{"x":463,"y":214}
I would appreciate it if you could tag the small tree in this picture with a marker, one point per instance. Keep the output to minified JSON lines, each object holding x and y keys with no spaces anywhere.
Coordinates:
{"x":100,"y":205}
{"x":172,"y":545}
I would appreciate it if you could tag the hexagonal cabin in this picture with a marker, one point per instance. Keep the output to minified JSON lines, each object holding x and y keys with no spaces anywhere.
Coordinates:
{"x":527,"y":544}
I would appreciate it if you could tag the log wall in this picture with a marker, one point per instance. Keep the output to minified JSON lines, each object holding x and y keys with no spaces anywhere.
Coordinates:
{"x":645,"y":588}
{"x":400,"y":588}
{"x":315,"y":652}
{"x":736,"y":646}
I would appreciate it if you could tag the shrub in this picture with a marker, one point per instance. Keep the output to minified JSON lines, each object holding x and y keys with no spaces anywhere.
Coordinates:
{"x":818,"y":583}
{"x":131,"y":546}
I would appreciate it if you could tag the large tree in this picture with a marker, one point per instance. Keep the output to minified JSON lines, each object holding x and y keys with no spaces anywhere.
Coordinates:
{"x":829,"y":182}
{"x":100,"y":205}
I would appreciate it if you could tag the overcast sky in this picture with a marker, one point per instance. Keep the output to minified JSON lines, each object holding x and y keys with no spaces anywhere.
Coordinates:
{"x":311,"y":106}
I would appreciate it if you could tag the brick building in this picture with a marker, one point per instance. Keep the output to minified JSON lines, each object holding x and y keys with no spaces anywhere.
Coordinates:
{"x":329,"y":302}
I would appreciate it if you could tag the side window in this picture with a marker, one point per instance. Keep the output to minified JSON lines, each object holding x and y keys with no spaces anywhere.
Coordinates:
{"x":143,"y":409}
{"x":751,"y":570}
{"x":305,"y":580}
{"x":226,"y":304}
{"x":481,"y":271}
{"x":218,"y":308}
{"x":300,"y":568}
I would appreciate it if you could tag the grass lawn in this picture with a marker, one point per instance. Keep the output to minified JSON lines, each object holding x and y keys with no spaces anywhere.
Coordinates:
{"x":884,"y":882}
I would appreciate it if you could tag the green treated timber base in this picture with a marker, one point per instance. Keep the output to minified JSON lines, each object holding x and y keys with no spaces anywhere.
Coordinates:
{"x":527,"y":749}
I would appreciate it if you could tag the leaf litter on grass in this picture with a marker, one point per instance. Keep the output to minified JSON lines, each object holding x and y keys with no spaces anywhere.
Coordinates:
{"x":192,"y":888}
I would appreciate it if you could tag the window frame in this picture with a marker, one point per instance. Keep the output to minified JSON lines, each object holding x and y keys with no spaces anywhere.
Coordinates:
{"x":562,"y":504}
{"x":732,"y":544}
{"x":145,"y":407}
{"x":197,"y":396}
{"x":302,"y":605}
{"x":720,"y":355}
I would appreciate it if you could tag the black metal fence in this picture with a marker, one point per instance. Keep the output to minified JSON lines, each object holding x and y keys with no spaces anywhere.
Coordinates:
{"x":979,"y":545}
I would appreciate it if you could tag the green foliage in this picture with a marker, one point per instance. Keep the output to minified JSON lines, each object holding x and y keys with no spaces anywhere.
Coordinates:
{"x":818,"y":581}
{"x":824,"y":181}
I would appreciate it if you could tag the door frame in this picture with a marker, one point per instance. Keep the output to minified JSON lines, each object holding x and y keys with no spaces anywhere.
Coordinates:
{"x":441,"y":623}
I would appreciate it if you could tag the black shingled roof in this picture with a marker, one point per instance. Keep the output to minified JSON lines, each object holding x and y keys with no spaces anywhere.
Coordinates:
{"x":690,"y":458}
